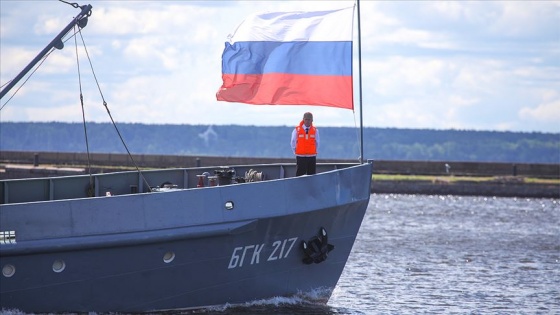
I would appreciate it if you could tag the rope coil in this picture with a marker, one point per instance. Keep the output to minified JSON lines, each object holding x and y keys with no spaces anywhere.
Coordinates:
{"x":254,"y":176}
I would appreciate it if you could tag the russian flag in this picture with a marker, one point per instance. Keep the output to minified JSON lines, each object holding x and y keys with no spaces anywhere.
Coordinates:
{"x":290,"y":58}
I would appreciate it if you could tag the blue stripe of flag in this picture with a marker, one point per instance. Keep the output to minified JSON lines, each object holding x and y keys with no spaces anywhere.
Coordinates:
{"x":304,"y":57}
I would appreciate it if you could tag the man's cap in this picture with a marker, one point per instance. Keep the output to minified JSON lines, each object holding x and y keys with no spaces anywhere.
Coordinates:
{"x":308,"y":115}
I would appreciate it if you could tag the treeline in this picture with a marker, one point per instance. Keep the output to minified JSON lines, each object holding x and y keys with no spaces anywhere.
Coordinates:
{"x":252,"y":141}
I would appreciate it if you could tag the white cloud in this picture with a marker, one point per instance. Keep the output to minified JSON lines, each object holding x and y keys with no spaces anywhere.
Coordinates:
{"x":468,"y":65}
{"x":18,"y":57}
{"x":527,"y":18}
{"x":548,"y":112}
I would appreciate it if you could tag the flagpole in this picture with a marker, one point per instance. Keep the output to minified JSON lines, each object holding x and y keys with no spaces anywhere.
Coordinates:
{"x":360,"y":87}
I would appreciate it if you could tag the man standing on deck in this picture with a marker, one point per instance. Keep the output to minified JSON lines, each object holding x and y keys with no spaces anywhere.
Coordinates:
{"x":305,"y":143}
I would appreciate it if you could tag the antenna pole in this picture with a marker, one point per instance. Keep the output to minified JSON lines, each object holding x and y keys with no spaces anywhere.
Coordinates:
{"x":360,"y":87}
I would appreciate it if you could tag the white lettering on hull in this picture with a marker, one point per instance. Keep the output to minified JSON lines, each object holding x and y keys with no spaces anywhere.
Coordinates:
{"x":251,"y":254}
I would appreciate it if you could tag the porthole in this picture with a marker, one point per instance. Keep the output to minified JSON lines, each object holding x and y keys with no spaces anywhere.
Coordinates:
{"x":58,"y":266}
{"x":168,"y":257}
{"x":8,"y":270}
{"x":229,"y":205}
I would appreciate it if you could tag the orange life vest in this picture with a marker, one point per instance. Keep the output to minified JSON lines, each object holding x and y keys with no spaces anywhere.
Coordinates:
{"x":305,"y":143}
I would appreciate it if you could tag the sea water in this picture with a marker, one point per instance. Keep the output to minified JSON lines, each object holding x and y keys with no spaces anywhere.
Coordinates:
{"x":442,"y":255}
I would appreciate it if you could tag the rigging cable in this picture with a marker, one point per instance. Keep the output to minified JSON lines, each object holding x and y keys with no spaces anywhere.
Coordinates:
{"x":26,"y":79}
{"x":45,"y":56}
{"x":110,"y":116}
{"x":91,"y":188}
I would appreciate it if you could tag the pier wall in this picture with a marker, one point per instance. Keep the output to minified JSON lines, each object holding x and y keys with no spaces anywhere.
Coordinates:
{"x":551,"y":171}
{"x":508,"y":183}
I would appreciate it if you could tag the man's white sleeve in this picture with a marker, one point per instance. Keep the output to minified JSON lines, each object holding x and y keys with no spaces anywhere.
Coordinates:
{"x":293,"y":142}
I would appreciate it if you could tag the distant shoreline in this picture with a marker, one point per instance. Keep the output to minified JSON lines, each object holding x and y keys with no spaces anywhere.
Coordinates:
{"x":389,"y":144}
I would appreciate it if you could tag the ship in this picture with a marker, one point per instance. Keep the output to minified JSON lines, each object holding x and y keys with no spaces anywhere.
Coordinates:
{"x":179,"y":238}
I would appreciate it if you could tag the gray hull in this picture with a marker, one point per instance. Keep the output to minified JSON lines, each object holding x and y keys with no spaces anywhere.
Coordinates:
{"x":184,"y":247}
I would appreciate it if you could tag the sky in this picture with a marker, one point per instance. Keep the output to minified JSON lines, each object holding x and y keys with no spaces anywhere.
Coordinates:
{"x":464,"y":65}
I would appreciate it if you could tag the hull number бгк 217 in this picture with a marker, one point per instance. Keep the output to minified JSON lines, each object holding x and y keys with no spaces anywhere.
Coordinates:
{"x":251,"y":254}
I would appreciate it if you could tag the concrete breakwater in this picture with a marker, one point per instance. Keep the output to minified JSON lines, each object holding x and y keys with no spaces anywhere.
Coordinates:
{"x":467,"y":188}
{"x":508,"y":179}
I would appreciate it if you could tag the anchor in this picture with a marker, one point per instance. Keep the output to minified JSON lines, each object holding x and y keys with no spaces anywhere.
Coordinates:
{"x":317,"y":249}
